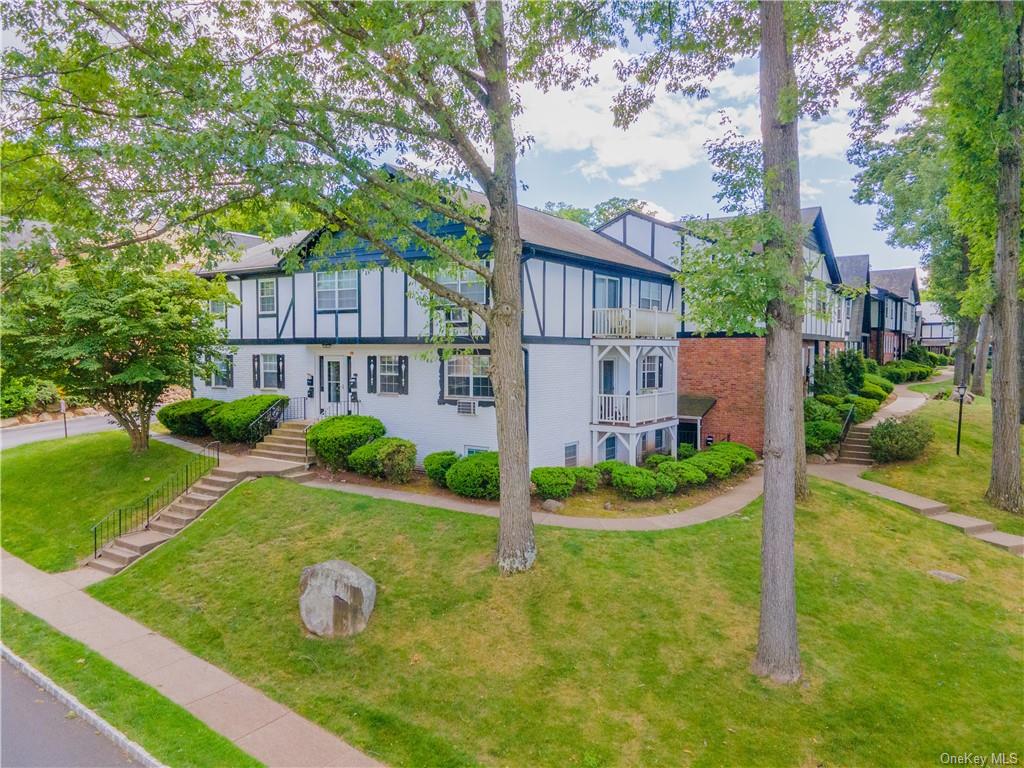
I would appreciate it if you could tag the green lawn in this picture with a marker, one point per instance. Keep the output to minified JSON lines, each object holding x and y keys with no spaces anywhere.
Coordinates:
{"x":616,"y":649}
{"x":164,"y":729}
{"x":52,"y":492}
{"x":959,"y":481}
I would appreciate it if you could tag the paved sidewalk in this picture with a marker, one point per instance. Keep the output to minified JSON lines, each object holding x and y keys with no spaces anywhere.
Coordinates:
{"x":265,"y":729}
{"x":726,"y":504}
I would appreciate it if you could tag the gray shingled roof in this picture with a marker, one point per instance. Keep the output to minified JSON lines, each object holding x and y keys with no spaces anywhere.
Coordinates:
{"x":854,"y":269}
{"x":901,"y":282}
{"x":261,"y":257}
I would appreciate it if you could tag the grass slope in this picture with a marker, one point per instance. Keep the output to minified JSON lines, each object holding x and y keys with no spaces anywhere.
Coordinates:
{"x":616,"y":649}
{"x":164,"y":729}
{"x":52,"y":492}
{"x":959,"y":481}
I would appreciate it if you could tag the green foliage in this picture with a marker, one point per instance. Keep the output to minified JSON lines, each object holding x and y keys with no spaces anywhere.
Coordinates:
{"x":230,"y":422}
{"x":899,"y":371}
{"x":815,"y":410}
{"x":871,"y":366}
{"x":900,"y":439}
{"x":652,"y":461}
{"x":25,"y":393}
{"x":863,"y":408}
{"x":475,"y":476}
{"x":829,"y":379}
{"x":831,"y":400}
{"x":820,"y":435}
{"x":640,"y":483}
{"x":436,"y":465}
{"x":600,"y":214}
{"x":587,"y":479}
{"x":553,"y":482}
{"x":851,"y":363}
{"x":738,"y":454}
{"x":685,"y":451}
{"x":918,"y":354}
{"x":711,"y":464}
{"x":683,"y":474}
{"x":875,"y":393}
{"x":605,"y":468}
{"x":334,"y":439}
{"x":387,"y":458}
{"x":879,"y":381}
{"x":188,"y":417}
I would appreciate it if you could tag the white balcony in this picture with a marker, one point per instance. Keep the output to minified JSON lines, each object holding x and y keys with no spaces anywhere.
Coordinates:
{"x":635,"y":409}
{"x":634,"y":323}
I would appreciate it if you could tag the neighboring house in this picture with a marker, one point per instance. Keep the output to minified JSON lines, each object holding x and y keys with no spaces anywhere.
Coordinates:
{"x":599,"y":331}
{"x":721,"y":377}
{"x":895,"y":299}
{"x":938,"y":334}
{"x":856,"y":273}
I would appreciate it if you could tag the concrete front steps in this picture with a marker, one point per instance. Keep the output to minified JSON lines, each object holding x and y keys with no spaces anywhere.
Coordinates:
{"x":980,"y":529}
{"x":856,"y":448}
{"x":286,"y":443}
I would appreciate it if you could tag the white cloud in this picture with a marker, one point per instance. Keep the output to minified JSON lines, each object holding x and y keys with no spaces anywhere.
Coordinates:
{"x":808,"y":191}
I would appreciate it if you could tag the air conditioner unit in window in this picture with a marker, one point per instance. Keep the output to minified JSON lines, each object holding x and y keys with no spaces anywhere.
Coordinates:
{"x":467,"y":407}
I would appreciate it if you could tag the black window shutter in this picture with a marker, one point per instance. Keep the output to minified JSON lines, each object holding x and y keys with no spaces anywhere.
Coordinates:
{"x":371,"y":373}
{"x":280,"y":371}
{"x":661,"y":372}
{"x":321,"y":373}
{"x":255,"y":371}
{"x":403,"y":374}
{"x":231,"y":370}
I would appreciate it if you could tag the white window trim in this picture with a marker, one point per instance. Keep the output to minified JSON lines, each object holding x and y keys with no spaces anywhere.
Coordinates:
{"x":223,"y":312}
{"x":473,"y":359}
{"x":644,"y":372}
{"x":381,"y":375}
{"x":264,"y":356}
{"x":653,"y":301}
{"x":222,"y":368}
{"x":471,"y":449}
{"x":576,"y":454}
{"x":338,"y":290}
{"x":259,"y":296}
{"x":466,"y":283}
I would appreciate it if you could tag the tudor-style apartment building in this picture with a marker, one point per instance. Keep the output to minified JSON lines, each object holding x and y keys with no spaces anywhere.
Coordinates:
{"x":600,"y":323}
{"x":938,"y":333}
{"x":722,"y":377}
{"x":894,"y":299}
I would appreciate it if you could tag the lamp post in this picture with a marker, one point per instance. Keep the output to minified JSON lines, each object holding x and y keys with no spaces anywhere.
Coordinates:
{"x":961,"y":392}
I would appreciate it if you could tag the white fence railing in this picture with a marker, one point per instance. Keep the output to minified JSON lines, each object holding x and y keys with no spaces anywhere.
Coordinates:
{"x":634,"y":323}
{"x":635,"y":409}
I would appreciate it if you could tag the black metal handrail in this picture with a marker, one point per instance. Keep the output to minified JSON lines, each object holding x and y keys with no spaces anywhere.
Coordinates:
{"x":272,"y":417}
{"x":137,"y":516}
{"x":847,"y":423}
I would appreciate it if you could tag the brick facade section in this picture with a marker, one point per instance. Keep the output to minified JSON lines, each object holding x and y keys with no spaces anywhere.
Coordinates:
{"x":876,"y":345}
{"x":732,"y":371}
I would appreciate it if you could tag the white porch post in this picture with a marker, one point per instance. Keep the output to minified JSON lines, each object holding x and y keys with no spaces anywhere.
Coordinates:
{"x":633,"y":383}
{"x":595,"y":383}
{"x":673,"y":433}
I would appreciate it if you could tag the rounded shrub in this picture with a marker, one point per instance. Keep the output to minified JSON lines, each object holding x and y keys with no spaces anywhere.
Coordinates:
{"x":684,"y":474}
{"x":712,"y":465}
{"x":587,"y":479}
{"x":871,"y":366}
{"x":652,"y":461}
{"x":879,"y":381}
{"x":387,"y":458}
{"x":605,"y":469}
{"x":816,"y":410}
{"x":475,"y":476}
{"x":685,"y":451}
{"x":833,"y":400}
{"x":894,"y":373}
{"x":553,"y":482}
{"x":230,"y":422}
{"x":863,"y":408}
{"x":436,"y":466}
{"x":743,"y":453}
{"x":875,"y":393}
{"x":188,"y":417}
{"x":900,"y":439}
{"x":334,"y":439}
{"x":820,"y":435}
{"x":640,"y":483}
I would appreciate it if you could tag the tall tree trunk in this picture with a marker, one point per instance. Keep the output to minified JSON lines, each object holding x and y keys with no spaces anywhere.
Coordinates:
{"x":967,"y":330}
{"x":981,"y":354}
{"x":778,"y":651}
{"x":1004,"y":490}
{"x":517,"y":548}
{"x":800,"y":466}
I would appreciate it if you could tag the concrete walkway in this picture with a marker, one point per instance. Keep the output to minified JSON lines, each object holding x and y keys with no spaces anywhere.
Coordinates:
{"x":271,"y":733}
{"x":729,"y":502}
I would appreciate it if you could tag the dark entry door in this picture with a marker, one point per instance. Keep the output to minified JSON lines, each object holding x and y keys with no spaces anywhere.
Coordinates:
{"x":688,"y":433}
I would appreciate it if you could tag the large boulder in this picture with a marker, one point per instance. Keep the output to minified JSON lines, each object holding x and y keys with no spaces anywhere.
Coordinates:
{"x":336,"y":598}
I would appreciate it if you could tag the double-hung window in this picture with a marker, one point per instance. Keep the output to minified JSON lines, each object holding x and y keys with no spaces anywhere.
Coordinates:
{"x":649,"y":372}
{"x":219,"y":309}
{"x":267,"y":292}
{"x":650,"y":296}
{"x":389,"y":375}
{"x":268,"y":371}
{"x":222,"y":374}
{"x":467,"y":283}
{"x":607,"y":292}
{"x":337,"y":290}
{"x":467,"y":377}
{"x":571,"y":454}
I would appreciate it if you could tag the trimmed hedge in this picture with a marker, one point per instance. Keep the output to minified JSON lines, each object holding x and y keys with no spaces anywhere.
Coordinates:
{"x":335,"y":438}
{"x":871,"y":366}
{"x":587,"y":479}
{"x":436,"y":466}
{"x":738,"y":454}
{"x":819,"y":435}
{"x":652,"y":461}
{"x":605,"y":469}
{"x":188,"y":417}
{"x":873,"y":392}
{"x":388,"y":458}
{"x":640,"y":483}
{"x":230,"y":422}
{"x":685,"y":451}
{"x":714,"y":466}
{"x":863,"y":408}
{"x":815,"y":410}
{"x":900,"y":439}
{"x":832,"y":400}
{"x":851,"y":363}
{"x":475,"y":476}
{"x":553,"y":482}
{"x":881,"y":382}
{"x":683,"y":473}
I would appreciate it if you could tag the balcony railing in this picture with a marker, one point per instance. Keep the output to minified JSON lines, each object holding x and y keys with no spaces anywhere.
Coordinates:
{"x":631,"y":410}
{"x":634,"y":323}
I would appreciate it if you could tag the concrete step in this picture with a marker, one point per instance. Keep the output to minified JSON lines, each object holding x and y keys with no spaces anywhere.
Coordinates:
{"x":177,"y":516}
{"x":165,"y":526}
{"x":209,"y":489}
{"x":857,"y":461}
{"x":857,"y":441}
{"x":216,"y":484}
{"x":279,"y":455}
{"x":220,"y":473}
{"x":1007,"y":541}
{"x":291,"y":427}
{"x":107,"y":566}
{"x":967,"y":524}
{"x":115,"y":554}
{"x":286,"y":438}
{"x":863,"y":455}
{"x":141,"y":541}
{"x":301,"y":476}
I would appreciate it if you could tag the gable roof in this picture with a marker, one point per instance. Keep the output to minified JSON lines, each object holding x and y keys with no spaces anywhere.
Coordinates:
{"x":901,"y":282}
{"x":855,"y":269}
{"x":260,"y":258}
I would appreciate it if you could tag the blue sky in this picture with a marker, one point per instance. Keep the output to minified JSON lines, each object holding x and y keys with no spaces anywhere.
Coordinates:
{"x":580,"y":157}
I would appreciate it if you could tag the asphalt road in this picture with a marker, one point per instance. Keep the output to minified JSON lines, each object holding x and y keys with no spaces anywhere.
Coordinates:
{"x":36,"y":730}
{"x":50,"y":430}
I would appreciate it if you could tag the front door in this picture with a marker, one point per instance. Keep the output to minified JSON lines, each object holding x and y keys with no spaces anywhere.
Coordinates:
{"x":607,"y":377}
{"x":334,"y":397}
